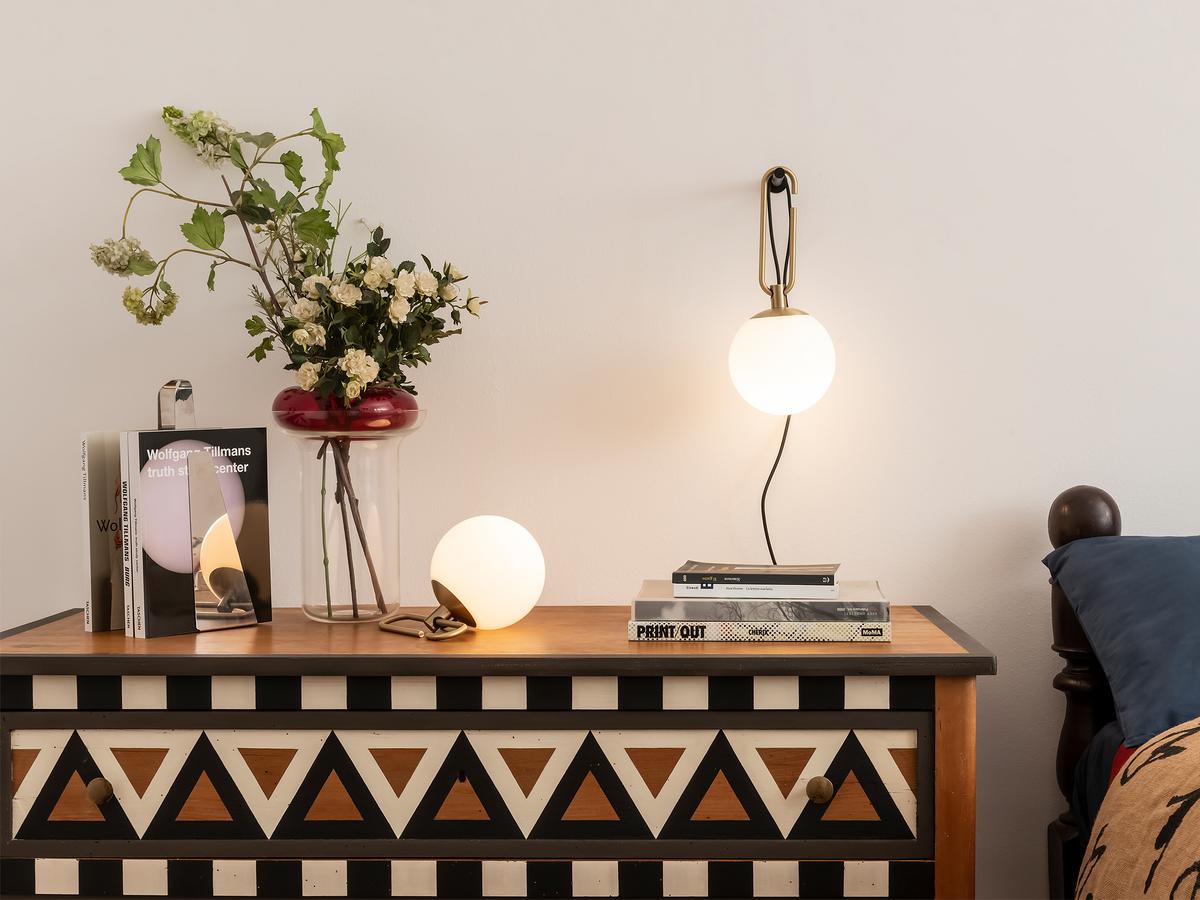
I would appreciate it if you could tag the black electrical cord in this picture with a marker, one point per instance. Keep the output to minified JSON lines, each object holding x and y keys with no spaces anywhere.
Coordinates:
{"x":787,"y":423}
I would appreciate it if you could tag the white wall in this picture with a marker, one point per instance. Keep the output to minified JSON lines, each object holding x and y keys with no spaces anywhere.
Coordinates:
{"x":998,"y":226}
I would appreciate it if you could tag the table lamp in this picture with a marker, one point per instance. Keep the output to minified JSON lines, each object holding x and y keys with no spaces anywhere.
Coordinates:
{"x":782,"y":360}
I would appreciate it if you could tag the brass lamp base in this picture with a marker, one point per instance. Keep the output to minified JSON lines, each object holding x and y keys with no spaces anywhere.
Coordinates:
{"x":449,"y":620}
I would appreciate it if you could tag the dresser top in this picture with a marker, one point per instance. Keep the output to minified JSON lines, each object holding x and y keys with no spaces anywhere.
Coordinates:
{"x":550,"y":640}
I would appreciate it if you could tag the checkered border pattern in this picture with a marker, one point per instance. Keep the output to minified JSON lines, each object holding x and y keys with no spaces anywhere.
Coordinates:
{"x":458,"y":693}
{"x":293,"y":878}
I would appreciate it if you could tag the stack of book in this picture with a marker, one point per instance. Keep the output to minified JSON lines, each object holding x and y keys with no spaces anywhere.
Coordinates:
{"x":142,"y":537}
{"x":726,"y":602}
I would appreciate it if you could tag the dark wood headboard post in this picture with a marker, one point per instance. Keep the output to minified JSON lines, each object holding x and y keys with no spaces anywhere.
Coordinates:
{"x":1079,"y":512}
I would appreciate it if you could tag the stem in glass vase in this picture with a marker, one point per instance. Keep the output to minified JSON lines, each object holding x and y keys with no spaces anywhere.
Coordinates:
{"x":339,"y":496}
{"x":341,"y":458}
{"x":325,"y":533}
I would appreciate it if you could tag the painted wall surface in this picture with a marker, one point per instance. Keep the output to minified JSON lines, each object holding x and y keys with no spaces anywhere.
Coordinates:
{"x":998,"y":225}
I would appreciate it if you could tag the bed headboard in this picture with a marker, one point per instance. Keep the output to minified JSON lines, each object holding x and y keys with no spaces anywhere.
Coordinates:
{"x":1079,"y":512}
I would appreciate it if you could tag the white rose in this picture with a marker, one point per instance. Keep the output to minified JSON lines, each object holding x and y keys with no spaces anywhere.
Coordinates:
{"x":373,"y":280}
{"x":309,"y":335}
{"x":473,"y":305}
{"x":353,"y":389}
{"x":448,"y":291}
{"x":381,"y":265}
{"x":357,"y":364}
{"x":398,"y":310}
{"x":455,"y":273}
{"x":309,"y":285}
{"x":308,"y":375}
{"x":427,"y":283}
{"x":345,"y":294}
{"x":404,"y":284}
{"x":305,"y":310}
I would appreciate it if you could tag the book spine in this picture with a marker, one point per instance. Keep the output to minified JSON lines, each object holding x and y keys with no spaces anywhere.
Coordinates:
{"x":126,"y":542}
{"x":755,"y":591}
{"x":87,"y":537}
{"x":135,"y":536}
{"x":760,"y":611}
{"x":763,"y":578}
{"x":795,"y":632}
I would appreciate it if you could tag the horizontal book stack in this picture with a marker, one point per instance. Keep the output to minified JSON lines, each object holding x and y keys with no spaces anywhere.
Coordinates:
{"x":726,"y":602}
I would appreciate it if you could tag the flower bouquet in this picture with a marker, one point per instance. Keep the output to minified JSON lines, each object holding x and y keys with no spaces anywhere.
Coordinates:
{"x":348,"y":324}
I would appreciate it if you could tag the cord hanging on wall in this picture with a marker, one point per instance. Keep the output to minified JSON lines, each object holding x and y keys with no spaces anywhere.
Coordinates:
{"x":782,"y":360}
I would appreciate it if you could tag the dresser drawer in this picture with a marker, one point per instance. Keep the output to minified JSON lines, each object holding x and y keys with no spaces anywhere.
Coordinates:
{"x":522,"y":784}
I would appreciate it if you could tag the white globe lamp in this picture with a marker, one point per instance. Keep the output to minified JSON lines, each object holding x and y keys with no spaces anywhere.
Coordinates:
{"x":782,"y":362}
{"x":487,"y":572}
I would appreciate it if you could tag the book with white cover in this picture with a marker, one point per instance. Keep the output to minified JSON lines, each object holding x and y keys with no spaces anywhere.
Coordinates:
{"x":859,"y":601}
{"x":126,"y":538}
{"x":755,"y":591}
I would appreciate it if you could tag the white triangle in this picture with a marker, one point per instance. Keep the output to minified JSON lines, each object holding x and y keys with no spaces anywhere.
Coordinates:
{"x":397,"y":810}
{"x":50,"y":743}
{"x":655,"y":810}
{"x":877,"y":743}
{"x":140,"y":810}
{"x":267,"y":810}
{"x":526,"y":810}
{"x":785,"y":810}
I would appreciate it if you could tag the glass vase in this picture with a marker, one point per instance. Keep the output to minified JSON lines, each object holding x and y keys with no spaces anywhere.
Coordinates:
{"x":349,"y":499}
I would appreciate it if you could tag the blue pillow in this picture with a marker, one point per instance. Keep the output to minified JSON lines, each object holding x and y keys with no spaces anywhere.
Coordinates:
{"x":1138,"y":600}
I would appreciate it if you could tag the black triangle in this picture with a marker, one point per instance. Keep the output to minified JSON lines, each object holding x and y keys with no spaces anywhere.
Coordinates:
{"x":333,"y":759}
{"x":461,"y":763}
{"x":203,"y":760}
{"x":851,"y":757}
{"x":37,"y":825}
{"x":590,"y":760}
{"x":720,"y":759}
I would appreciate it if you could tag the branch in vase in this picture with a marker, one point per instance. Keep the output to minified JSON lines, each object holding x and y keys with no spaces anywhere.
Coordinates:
{"x":341,"y":458}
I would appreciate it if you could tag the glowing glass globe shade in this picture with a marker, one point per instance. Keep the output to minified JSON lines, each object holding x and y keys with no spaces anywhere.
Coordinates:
{"x":493,"y":566}
{"x":782,"y":364}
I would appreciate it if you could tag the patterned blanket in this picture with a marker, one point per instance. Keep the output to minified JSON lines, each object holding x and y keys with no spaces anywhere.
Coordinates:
{"x":1146,"y":840}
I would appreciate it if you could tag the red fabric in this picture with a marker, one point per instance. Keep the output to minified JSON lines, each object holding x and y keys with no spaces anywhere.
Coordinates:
{"x":1122,"y":756}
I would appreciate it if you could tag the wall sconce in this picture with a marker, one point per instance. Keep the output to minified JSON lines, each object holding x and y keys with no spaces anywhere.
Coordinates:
{"x":782,"y":360}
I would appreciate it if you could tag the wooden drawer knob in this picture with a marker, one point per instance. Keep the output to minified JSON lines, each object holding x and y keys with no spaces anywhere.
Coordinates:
{"x":99,"y":790}
{"x":819,"y":789}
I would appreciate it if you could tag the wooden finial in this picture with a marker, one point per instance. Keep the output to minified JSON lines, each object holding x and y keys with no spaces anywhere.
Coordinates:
{"x":1082,"y":512}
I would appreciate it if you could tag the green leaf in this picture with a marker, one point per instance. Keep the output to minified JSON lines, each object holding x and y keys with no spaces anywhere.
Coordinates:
{"x":261,"y":141}
{"x":292,"y":162}
{"x":145,"y":166}
{"x":313,"y":227}
{"x":206,"y":230}
{"x":212,"y":276}
{"x":235,"y":154}
{"x":260,"y":352}
{"x":263,"y":194}
{"x":407,"y":266}
{"x":255,"y":325}
{"x":331,"y":145}
{"x":139,"y":266}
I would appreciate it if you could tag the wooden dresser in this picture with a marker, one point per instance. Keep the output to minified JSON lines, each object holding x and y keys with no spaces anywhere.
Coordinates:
{"x":551,"y":759}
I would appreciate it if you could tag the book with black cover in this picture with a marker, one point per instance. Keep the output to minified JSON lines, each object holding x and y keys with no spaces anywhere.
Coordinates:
{"x":693,"y":572}
{"x":165,"y":556}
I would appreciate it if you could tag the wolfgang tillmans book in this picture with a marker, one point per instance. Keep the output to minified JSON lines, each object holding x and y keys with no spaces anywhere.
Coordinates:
{"x":200,"y":535}
{"x":859,"y":601}
{"x":692,"y":572}
{"x":100,"y":484}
